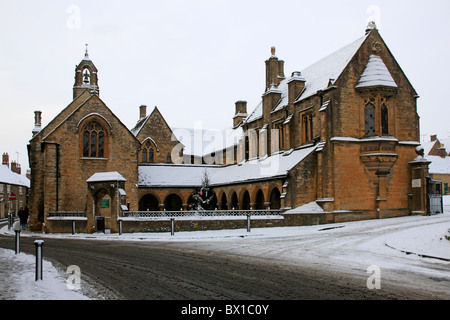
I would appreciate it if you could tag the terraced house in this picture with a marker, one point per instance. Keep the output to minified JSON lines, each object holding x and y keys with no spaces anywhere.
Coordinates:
{"x":333,"y":142}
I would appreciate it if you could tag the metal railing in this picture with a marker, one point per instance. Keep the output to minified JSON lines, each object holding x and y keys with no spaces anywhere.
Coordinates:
{"x":202,"y":213}
{"x":67,"y":214}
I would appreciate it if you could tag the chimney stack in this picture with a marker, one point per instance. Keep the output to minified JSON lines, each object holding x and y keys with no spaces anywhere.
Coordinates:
{"x":295,"y":86}
{"x":241,"y":112}
{"x":37,"y":122}
{"x":15,"y":167}
{"x":142,"y":112}
{"x":274,"y":70}
{"x":5,"y":159}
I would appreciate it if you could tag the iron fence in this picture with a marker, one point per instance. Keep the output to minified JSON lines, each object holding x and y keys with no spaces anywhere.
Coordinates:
{"x":202,"y":213}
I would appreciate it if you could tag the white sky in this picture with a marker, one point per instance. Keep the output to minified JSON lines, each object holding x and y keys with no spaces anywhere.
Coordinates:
{"x":193,"y":59}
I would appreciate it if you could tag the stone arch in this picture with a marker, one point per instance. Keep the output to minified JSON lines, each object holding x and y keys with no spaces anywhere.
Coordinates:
{"x":173,"y":202}
{"x":259,"y":200}
{"x":223,"y":202}
{"x":274,"y":199}
{"x":234,"y":201}
{"x":245,"y":200}
{"x":149,"y":202}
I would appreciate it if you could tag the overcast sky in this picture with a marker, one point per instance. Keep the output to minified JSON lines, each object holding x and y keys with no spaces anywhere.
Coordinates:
{"x":194,"y":59}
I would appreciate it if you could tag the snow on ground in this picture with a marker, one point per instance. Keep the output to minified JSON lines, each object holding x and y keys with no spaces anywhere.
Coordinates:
{"x":421,"y":235}
{"x":17,"y":279}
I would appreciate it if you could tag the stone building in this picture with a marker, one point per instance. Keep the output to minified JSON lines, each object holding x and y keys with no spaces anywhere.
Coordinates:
{"x":14,"y":187}
{"x":333,"y":142}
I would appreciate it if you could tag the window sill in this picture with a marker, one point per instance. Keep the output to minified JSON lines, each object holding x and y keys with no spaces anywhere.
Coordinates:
{"x":92,"y":158}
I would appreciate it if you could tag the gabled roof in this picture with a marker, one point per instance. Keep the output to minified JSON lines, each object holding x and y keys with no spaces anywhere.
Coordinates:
{"x":376,"y":74}
{"x":317,"y":76}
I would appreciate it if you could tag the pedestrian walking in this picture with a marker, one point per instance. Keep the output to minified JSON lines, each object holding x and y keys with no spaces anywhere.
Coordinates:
{"x":23,"y":217}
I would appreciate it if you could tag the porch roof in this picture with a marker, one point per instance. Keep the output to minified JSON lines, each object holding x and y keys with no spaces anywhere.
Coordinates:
{"x":106,"y":176}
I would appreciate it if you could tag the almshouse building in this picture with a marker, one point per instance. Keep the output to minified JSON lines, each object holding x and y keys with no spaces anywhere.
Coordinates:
{"x":333,"y":142}
{"x":14,"y":187}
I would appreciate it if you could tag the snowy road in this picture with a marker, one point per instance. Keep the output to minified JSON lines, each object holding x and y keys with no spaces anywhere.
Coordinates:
{"x":313,"y":262}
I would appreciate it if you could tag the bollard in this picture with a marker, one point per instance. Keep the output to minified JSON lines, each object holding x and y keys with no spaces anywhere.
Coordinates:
{"x":10,"y":220}
{"x":172,"y":222}
{"x":248,"y":222}
{"x":17,"y":228}
{"x":120,"y":227}
{"x":17,"y":241}
{"x":39,"y":258}
{"x":73,"y":226}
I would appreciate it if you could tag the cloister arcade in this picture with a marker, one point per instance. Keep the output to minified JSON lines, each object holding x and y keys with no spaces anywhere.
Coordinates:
{"x":256,"y":196}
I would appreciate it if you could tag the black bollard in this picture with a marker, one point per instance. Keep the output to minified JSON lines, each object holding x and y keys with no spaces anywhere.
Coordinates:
{"x":39,"y":270}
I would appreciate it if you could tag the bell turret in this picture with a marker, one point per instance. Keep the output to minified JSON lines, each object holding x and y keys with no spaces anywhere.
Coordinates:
{"x":85,"y":77}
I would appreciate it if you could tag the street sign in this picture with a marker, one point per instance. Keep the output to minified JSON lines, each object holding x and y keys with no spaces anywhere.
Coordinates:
{"x":12,"y":196}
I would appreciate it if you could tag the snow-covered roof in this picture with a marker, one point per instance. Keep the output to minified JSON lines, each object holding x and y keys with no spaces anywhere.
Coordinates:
{"x":317,"y":76}
{"x":438,"y":164}
{"x":375,"y":74}
{"x":179,"y":175}
{"x":139,"y":125}
{"x":106,"y":176}
{"x":9,"y":177}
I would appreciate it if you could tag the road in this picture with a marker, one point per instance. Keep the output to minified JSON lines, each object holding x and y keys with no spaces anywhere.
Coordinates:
{"x":229,"y":270}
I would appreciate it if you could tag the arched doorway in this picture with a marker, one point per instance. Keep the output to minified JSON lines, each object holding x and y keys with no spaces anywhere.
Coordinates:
{"x":173,"y":203}
{"x":246,"y":201}
{"x":275,"y":202}
{"x":102,"y":211}
{"x":149,"y":203}
{"x":259,"y":203}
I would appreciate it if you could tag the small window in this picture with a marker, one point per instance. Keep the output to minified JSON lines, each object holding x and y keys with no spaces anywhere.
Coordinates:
{"x":369,"y":116}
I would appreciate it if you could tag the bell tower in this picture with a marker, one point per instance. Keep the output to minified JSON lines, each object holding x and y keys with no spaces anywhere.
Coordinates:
{"x":85,"y":77}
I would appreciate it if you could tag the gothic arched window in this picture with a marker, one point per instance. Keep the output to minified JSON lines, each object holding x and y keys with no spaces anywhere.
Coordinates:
{"x":148,"y":155}
{"x":384,"y":120}
{"x":94,"y":141}
{"x":369,"y":119}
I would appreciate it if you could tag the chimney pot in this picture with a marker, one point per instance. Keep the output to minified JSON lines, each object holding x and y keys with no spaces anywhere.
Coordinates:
{"x":5,"y":159}
{"x":37,"y":122}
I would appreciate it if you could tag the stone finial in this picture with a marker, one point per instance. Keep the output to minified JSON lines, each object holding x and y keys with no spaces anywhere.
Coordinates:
{"x":371,"y":26}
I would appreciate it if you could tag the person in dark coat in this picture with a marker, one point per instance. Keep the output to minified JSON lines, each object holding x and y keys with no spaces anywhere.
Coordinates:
{"x":23,"y":217}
